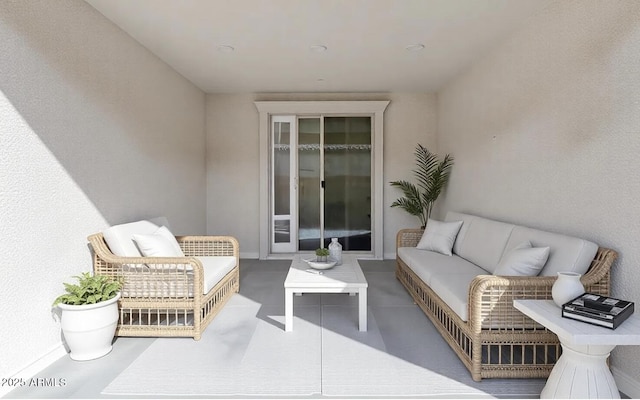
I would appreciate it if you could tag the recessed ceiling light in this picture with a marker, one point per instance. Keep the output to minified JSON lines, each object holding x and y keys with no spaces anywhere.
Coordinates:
{"x":414,"y":47}
{"x":225,"y":48}
{"x":318,"y":48}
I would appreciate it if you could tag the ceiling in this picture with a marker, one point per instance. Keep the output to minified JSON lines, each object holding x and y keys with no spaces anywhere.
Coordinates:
{"x":366,"y":40}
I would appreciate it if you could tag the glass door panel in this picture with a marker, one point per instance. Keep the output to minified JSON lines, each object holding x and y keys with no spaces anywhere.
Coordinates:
{"x":309,"y":194}
{"x":347,"y":176}
{"x":283,"y":186}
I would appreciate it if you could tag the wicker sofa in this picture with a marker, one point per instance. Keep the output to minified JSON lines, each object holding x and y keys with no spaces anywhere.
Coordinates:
{"x":167,"y":296}
{"x":473,"y":309}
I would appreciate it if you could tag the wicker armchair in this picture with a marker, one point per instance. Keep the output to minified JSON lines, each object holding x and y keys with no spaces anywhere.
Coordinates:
{"x":164,"y":296}
{"x":498,"y":341}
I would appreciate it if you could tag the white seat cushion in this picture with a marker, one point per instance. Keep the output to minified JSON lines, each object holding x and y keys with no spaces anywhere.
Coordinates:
{"x":215,"y":268}
{"x":426,"y":263}
{"x":453,"y":289}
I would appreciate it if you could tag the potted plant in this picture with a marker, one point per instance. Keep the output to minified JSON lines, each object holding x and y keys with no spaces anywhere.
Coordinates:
{"x":322,"y":254}
{"x":89,"y":315}
{"x":432,"y":175}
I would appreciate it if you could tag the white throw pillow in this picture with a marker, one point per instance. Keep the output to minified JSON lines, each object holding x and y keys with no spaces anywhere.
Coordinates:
{"x":161,"y":243}
{"x":523,"y":260}
{"x":439,"y":236}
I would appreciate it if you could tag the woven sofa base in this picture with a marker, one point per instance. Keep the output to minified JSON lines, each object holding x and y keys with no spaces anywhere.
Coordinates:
{"x":490,"y":353}
{"x":175,"y":317}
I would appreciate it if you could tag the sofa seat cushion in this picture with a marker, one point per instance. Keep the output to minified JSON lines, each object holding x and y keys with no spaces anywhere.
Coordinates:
{"x":215,"y":268}
{"x":426,"y":263}
{"x":138,"y":282}
{"x":453,"y":289}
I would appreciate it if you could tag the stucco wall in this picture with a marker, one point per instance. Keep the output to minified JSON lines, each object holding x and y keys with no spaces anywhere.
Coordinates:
{"x":233,"y":158}
{"x":546,"y":132}
{"x":94,"y":130}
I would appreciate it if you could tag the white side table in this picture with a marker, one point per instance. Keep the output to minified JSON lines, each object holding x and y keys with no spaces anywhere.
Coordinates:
{"x":581,"y":371}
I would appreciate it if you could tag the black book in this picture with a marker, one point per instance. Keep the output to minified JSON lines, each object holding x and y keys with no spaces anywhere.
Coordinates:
{"x":598,"y":310}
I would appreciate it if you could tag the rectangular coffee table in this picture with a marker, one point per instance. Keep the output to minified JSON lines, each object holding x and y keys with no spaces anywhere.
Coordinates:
{"x":345,"y":278}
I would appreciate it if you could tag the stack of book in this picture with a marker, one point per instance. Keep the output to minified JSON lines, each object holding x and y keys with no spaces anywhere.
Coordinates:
{"x":598,"y":310}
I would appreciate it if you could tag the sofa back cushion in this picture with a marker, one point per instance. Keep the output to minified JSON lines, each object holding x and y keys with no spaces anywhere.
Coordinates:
{"x":566,"y":253}
{"x":481,"y":241}
{"x":161,"y":243}
{"x":119,"y":238}
{"x":160,"y":221}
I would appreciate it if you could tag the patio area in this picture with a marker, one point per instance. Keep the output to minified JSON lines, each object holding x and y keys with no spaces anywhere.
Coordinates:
{"x":245,"y":351}
{"x":537,"y":100}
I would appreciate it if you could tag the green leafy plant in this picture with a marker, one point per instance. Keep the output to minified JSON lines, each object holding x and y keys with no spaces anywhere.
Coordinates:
{"x":432,"y":175}
{"x":322,"y":252}
{"x":91,"y":289}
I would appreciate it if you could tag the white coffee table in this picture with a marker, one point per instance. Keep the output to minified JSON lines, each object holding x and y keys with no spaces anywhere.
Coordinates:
{"x":581,"y":372}
{"x":345,"y":278}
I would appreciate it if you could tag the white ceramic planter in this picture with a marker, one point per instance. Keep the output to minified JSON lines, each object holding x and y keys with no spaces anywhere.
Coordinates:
{"x":89,"y":329}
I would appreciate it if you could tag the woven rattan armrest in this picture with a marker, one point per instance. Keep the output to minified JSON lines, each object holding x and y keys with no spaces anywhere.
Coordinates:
{"x":199,"y":246}
{"x":491,"y":297}
{"x":408,"y":237}
{"x":491,"y":300}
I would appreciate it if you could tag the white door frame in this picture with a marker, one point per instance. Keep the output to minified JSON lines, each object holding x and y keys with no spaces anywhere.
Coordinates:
{"x":342,"y":108}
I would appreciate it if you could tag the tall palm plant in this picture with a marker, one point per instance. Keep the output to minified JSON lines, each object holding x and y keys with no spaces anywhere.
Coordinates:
{"x":432,"y":175}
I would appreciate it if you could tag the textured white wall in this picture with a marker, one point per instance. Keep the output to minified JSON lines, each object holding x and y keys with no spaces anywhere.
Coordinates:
{"x":233,"y":154}
{"x":546,"y":132}
{"x":232,"y":169}
{"x":94,"y":130}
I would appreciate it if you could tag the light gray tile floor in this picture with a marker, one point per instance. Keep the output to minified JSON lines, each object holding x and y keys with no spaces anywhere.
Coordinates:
{"x":261,"y":281}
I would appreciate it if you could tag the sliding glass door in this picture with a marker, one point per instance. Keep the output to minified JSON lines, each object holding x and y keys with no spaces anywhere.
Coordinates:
{"x":318,"y":131}
{"x":322,"y":188}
